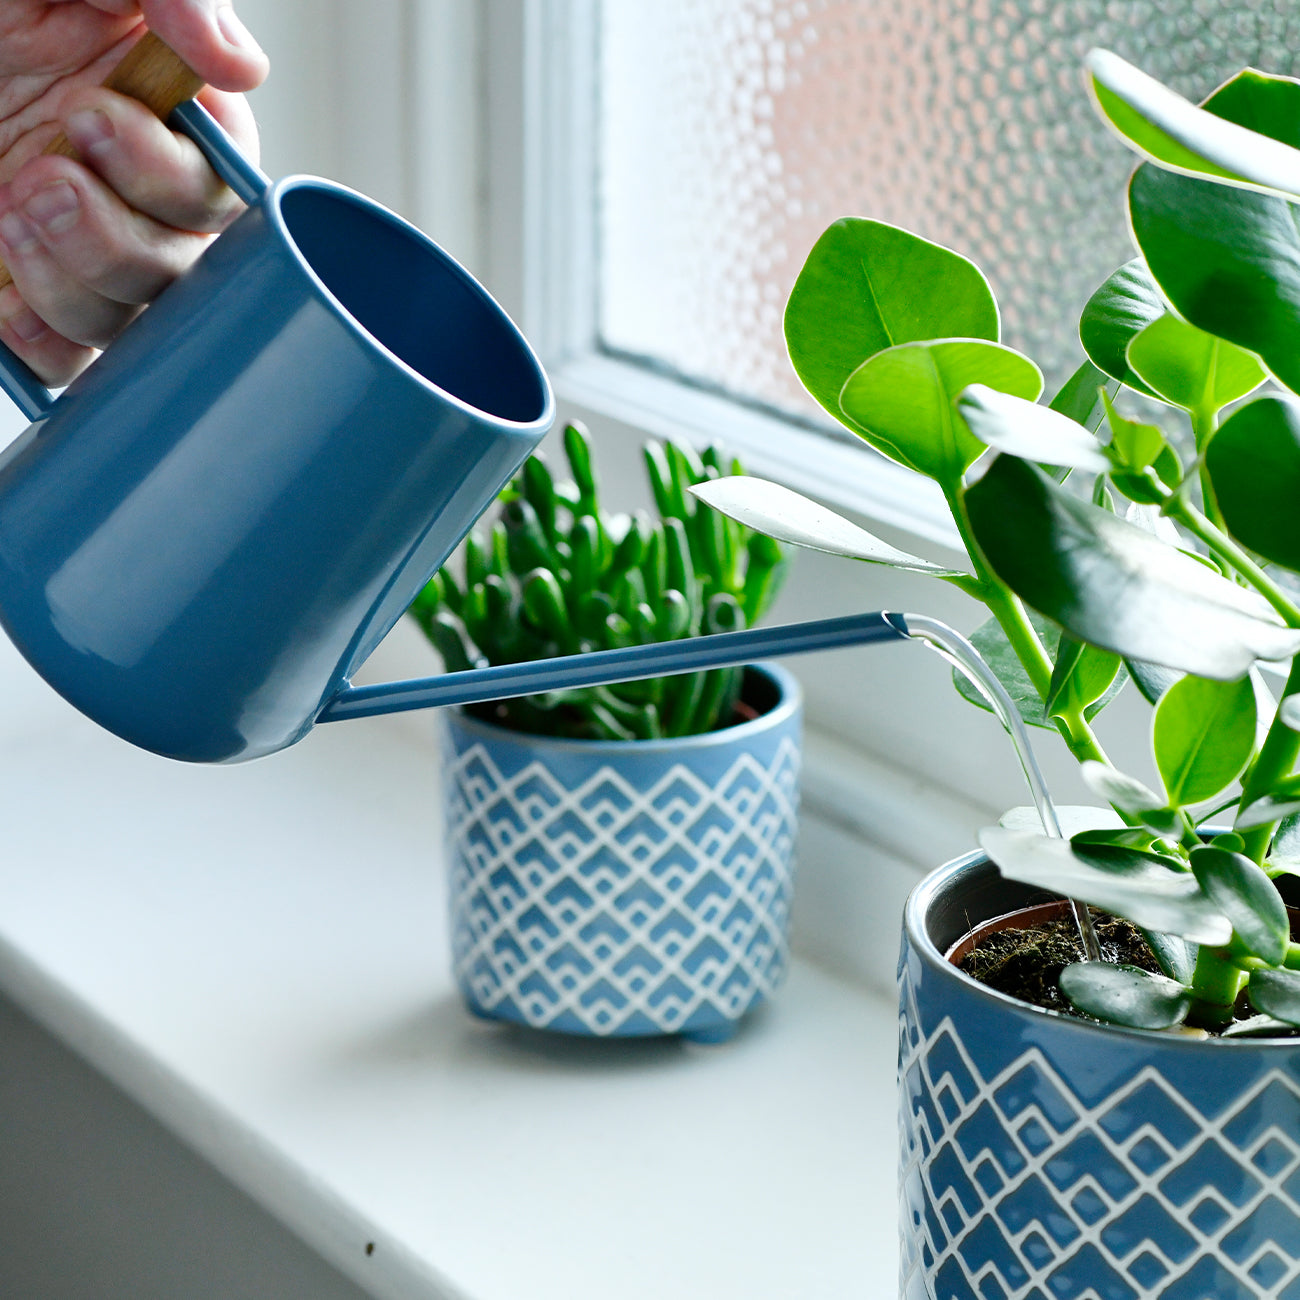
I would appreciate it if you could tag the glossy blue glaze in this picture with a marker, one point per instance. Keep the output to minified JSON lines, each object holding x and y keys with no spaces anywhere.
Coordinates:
{"x":217,"y":522}
{"x":1046,"y":1156}
{"x":624,"y":888}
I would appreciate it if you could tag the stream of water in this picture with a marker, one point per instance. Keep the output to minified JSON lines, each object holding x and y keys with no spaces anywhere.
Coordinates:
{"x":963,"y":656}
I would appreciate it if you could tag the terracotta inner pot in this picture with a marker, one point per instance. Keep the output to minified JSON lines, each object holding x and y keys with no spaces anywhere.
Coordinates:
{"x":1024,"y":918}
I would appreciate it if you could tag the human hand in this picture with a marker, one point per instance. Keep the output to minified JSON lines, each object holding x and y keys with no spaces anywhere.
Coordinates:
{"x":89,"y":242}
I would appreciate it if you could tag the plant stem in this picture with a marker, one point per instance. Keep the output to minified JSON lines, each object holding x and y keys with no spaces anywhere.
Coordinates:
{"x":1010,"y":614}
{"x":1216,"y":981}
{"x":1276,"y":759}
{"x":1177,"y":507}
{"x":1204,"y":422}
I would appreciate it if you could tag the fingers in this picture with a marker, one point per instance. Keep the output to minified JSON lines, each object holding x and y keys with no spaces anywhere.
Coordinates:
{"x":80,"y":255}
{"x":86,"y":244}
{"x":209,"y":36}
{"x":155,"y":171}
{"x":55,"y":359}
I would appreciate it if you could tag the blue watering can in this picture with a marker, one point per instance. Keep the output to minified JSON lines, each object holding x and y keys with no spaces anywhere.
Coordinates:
{"x":209,"y":530}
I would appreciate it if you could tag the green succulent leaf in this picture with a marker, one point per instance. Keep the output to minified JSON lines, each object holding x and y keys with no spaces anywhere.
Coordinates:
{"x":1026,"y":429}
{"x":784,"y":514}
{"x":1151,"y":680}
{"x":1266,"y":810}
{"x":1133,"y":443}
{"x":996,"y":651}
{"x":1139,"y":886}
{"x":1141,"y":838}
{"x":1257,"y":1027}
{"x":1190,"y":368}
{"x":1203,"y":734}
{"x":1276,"y":993}
{"x":1125,"y":995}
{"x":1254,"y":464}
{"x":1125,"y":304}
{"x":1112,"y":584}
{"x":902,"y":400}
{"x":1169,"y":130}
{"x":1074,"y":819}
{"x":1284,"y":852}
{"x":1082,"y":676}
{"x":1247,"y":897}
{"x":867,"y":286}
{"x":1128,"y":794}
{"x":1177,"y":957}
{"x":1226,"y":257}
{"x":1228,"y":260}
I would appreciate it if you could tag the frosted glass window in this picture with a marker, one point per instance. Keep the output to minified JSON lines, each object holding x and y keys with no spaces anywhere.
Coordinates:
{"x":734,"y":131}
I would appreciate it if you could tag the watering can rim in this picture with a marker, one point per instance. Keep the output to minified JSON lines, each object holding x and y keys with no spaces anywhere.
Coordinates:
{"x":271,"y":201}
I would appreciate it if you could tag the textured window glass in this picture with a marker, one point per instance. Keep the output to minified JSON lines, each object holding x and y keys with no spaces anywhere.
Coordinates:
{"x":734,"y":131}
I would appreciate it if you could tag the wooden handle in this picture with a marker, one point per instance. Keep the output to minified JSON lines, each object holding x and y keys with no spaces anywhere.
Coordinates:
{"x":151,"y":72}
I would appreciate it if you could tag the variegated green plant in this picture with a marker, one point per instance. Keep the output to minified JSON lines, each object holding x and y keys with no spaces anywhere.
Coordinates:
{"x":558,"y":575}
{"x":1104,"y":550}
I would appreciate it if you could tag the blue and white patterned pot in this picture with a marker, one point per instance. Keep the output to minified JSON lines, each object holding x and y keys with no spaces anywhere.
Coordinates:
{"x":625,"y":887}
{"x":1048,"y":1158}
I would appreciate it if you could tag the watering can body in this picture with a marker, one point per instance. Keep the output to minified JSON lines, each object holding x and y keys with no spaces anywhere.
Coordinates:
{"x":219,"y":520}
{"x":205,"y":534}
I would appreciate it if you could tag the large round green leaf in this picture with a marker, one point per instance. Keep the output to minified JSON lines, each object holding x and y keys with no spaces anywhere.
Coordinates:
{"x":1116,"y":314}
{"x":1190,"y":368}
{"x":1127,"y":793}
{"x":1133,"y":885}
{"x":1228,"y":259}
{"x":1254,"y":465}
{"x":1080,"y":397}
{"x":1113,"y":584}
{"x":1247,"y":897}
{"x":1203,"y":733}
{"x":782,"y":513}
{"x":1276,"y":993}
{"x":1165,"y":127}
{"x":903,"y":400}
{"x":867,"y":286}
{"x":1029,"y":430}
{"x":1082,"y":676}
{"x":997,"y":652}
{"x":1125,"y":995}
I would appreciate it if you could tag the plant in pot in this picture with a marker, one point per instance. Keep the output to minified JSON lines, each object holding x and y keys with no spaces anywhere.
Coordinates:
{"x":621,"y":857}
{"x":1137,"y":1134}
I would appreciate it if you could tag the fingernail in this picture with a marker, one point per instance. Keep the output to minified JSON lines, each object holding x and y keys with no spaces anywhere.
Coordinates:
{"x":233,"y":29}
{"x":25,"y":323}
{"x":56,"y":207}
{"x":90,"y":130}
{"x":18,"y":233}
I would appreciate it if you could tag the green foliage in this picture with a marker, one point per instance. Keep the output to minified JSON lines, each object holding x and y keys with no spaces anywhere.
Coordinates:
{"x":868,"y":286}
{"x":557,"y":575}
{"x":1103,"y":549}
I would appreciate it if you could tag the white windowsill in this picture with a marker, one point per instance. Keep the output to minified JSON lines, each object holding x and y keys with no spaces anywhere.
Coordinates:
{"x":257,"y":956}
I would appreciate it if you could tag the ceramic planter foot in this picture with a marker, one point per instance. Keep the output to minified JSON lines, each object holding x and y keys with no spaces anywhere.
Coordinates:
{"x":714,"y":1034}
{"x":625,"y":888}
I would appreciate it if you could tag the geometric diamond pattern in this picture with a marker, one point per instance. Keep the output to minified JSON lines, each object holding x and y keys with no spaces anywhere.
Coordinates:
{"x":1013,"y":1184}
{"x":610,"y":900}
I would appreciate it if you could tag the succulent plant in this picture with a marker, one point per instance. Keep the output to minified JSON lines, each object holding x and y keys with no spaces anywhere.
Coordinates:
{"x":557,"y":575}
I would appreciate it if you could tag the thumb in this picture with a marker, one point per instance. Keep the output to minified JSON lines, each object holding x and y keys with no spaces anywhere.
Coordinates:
{"x":210,"y":37}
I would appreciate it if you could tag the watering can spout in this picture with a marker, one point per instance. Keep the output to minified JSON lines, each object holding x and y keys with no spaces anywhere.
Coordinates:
{"x":606,"y":667}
